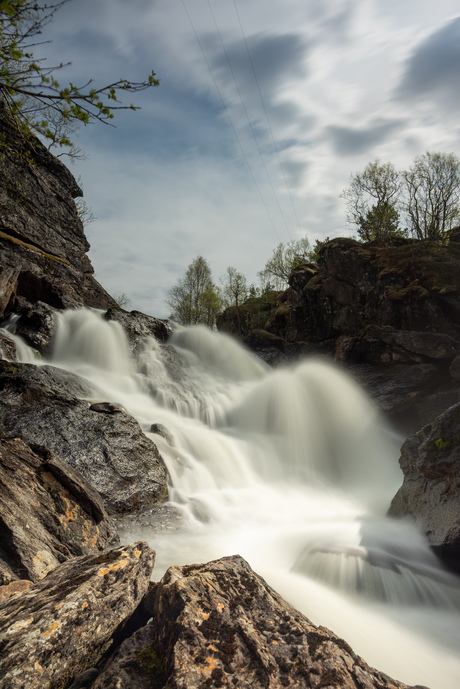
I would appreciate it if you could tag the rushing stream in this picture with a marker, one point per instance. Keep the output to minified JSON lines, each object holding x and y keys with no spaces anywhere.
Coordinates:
{"x":294,"y":470}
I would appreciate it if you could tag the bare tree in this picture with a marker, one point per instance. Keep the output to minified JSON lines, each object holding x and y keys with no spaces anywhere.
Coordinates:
{"x":432,"y":194}
{"x":372,"y":200}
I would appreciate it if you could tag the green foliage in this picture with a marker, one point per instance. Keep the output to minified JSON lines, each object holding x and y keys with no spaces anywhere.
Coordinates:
{"x":195,"y":299}
{"x":29,"y":88}
{"x":432,"y":194}
{"x":318,"y":245}
{"x":234,"y":291}
{"x":372,"y":201}
{"x":284,"y":259}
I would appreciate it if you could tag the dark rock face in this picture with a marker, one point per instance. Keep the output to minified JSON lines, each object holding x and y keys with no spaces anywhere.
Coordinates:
{"x":48,"y":512}
{"x":62,"y":625}
{"x":220,"y":624}
{"x":430,"y":494}
{"x":138,"y":325}
{"x":41,"y":405}
{"x":42,"y":242}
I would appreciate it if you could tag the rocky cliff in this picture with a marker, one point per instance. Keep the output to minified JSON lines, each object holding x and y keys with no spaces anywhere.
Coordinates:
{"x":75,"y":608}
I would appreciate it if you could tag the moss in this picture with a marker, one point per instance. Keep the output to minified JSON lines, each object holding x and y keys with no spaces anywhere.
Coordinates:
{"x":441,"y":444}
{"x":152,"y":665}
{"x":31,"y":247}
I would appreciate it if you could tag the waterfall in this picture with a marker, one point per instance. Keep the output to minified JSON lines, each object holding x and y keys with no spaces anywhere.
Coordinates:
{"x":294,"y":470}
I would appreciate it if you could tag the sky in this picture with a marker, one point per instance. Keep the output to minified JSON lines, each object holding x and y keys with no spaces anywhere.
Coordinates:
{"x":265,"y":109}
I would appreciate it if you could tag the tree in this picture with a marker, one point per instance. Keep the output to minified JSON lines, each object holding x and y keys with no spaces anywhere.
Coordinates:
{"x":30,"y":90}
{"x":234,"y":291}
{"x":284,"y":259}
{"x":432,"y":194}
{"x":372,"y":201}
{"x":195,"y":299}
{"x":234,"y":287}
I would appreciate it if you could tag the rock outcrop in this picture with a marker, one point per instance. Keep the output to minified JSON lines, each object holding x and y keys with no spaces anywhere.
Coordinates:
{"x":48,"y":513}
{"x":430,"y":494}
{"x":62,"y":625}
{"x":43,"y":405}
{"x":42,"y":242}
{"x":220,"y":624}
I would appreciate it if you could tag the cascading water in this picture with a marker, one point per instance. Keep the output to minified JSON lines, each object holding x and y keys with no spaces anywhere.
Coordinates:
{"x":293,"y":469}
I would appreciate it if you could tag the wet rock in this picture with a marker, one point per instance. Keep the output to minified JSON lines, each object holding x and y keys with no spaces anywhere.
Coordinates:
{"x":387,"y":345}
{"x":8,"y":282}
{"x":62,"y":625}
{"x":8,"y":350}
{"x":430,"y":494}
{"x":37,"y":326}
{"x":42,"y":405}
{"x":395,"y":387}
{"x":105,"y":408}
{"x":48,"y":511}
{"x":137,"y":325}
{"x":220,"y":624}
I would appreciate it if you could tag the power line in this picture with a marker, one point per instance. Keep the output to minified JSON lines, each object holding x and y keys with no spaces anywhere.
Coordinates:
{"x":265,"y":111}
{"x":247,"y":117}
{"x":229,"y":118}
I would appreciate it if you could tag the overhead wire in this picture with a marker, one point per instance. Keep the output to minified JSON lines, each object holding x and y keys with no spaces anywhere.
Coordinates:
{"x":247,"y":116}
{"x":229,"y":118}
{"x":266,"y":113}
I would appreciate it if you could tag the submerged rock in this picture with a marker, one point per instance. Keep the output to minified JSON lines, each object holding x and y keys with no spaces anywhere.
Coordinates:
{"x":430,"y":494}
{"x":42,"y":405}
{"x":219,"y":624}
{"x":61,"y":626}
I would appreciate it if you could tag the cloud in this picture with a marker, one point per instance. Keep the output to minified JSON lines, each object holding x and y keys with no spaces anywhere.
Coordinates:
{"x":352,"y":141}
{"x":433,"y":70}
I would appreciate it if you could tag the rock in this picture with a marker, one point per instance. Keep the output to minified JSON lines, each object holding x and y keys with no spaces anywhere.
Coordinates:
{"x":395,"y":387}
{"x":220,"y":624}
{"x":36,"y":326}
{"x":387,"y":345}
{"x":42,"y":243}
{"x":13,"y":589}
{"x":105,"y":408}
{"x":48,"y":511}
{"x":454,"y":369}
{"x":42,"y":405}
{"x":62,"y":625}
{"x":134,"y":665}
{"x":8,"y":350}
{"x":430,"y":494}
{"x":8,"y":282}
{"x":137,"y":325}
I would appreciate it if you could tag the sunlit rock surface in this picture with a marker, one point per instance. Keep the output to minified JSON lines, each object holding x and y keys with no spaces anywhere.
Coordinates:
{"x":48,"y":512}
{"x":220,"y":624}
{"x":61,"y":626}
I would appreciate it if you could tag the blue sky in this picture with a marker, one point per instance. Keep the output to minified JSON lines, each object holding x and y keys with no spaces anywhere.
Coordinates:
{"x":265,"y":109}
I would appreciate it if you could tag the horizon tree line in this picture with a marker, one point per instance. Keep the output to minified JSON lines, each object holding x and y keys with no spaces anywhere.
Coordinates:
{"x":422,"y":202}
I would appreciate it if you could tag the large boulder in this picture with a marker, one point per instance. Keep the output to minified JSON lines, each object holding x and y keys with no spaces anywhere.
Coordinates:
{"x":430,"y":494}
{"x":219,"y":624}
{"x":48,"y":512}
{"x":62,"y":625}
{"x":43,"y":405}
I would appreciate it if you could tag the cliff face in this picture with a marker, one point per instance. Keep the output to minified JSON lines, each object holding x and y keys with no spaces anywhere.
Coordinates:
{"x":42,"y":241}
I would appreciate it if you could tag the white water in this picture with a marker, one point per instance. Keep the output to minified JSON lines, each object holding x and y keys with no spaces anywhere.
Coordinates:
{"x":294,"y":470}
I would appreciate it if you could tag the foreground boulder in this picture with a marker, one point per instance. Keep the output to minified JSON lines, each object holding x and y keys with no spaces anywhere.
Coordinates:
{"x":62,"y":625}
{"x":219,"y":624}
{"x":43,"y":405}
{"x":430,"y":494}
{"x":48,"y":512}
